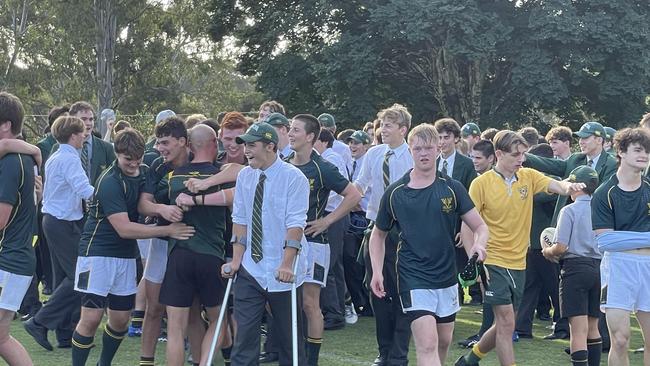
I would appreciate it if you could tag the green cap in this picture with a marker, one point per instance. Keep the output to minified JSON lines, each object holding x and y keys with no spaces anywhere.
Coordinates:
{"x":261,"y":131}
{"x":609,"y":133}
{"x":584,"y":174}
{"x":326,"y":120}
{"x":470,"y":129}
{"x":591,"y":128}
{"x":360,"y":137}
{"x":277,"y":119}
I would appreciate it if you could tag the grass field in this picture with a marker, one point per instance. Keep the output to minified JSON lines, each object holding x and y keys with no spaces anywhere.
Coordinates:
{"x":353,"y":345}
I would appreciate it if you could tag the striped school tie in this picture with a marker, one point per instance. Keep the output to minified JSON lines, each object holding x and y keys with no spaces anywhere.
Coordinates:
{"x":386,"y":169}
{"x":256,"y":228}
{"x":84,"y":157}
{"x":444,"y":167}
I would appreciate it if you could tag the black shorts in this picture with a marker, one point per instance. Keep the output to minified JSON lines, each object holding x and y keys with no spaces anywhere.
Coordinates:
{"x":189,"y":274}
{"x":580,"y":287}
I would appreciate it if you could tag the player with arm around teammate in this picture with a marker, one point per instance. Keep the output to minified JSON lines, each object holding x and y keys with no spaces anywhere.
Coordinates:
{"x":106,"y":268}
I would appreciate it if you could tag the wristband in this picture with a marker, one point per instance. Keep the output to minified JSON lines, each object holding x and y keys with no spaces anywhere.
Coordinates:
{"x":241,"y":240}
{"x":296,"y":244}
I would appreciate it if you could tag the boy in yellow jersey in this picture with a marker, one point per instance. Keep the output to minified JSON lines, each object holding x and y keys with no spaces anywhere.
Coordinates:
{"x":504,"y":198}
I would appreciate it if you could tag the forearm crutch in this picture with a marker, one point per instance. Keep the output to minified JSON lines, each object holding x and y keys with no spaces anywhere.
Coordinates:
{"x":294,"y":313}
{"x":222,"y":313}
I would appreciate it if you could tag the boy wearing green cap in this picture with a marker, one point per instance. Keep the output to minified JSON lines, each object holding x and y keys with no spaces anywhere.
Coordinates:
{"x":591,"y":138}
{"x":576,"y":248}
{"x":471,"y":134}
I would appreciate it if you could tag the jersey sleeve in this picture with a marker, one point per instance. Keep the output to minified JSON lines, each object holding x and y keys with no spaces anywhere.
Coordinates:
{"x":111,"y":197}
{"x":540,"y":181}
{"x":602,"y":215}
{"x":153,"y":177}
{"x":11,"y":177}
{"x":332,"y":178}
{"x":564,"y":225}
{"x":463,"y":202}
{"x":385,"y":219}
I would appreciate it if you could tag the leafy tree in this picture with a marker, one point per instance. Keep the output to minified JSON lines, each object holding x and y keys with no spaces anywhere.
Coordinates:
{"x":498,"y":62}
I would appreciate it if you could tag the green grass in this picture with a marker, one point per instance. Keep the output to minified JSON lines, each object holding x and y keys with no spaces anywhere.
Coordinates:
{"x":353,"y":345}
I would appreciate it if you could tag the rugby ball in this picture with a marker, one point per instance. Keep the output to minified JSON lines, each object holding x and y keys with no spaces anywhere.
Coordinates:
{"x":546,"y":237}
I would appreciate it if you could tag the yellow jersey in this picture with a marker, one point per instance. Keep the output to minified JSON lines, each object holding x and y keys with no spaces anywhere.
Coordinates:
{"x":506,"y":206}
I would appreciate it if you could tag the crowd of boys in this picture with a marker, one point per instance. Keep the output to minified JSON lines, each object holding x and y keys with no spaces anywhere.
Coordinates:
{"x":375,"y":222}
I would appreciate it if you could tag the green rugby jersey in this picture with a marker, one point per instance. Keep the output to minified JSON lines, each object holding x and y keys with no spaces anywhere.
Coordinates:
{"x":426,"y":219}
{"x":614,"y":208}
{"x":17,"y":189}
{"x":208,"y":221}
{"x":115,"y":193}
{"x":323,"y":177}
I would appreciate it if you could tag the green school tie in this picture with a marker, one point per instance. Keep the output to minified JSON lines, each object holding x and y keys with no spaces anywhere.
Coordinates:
{"x":84,"y":157}
{"x":256,"y":228}
{"x":444,"y":167}
{"x":385,"y":168}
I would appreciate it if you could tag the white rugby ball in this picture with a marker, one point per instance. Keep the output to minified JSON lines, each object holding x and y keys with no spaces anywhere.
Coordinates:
{"x":547,"y":236}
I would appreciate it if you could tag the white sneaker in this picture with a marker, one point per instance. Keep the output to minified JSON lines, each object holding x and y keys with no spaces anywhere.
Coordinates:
{"x":351,"y":316}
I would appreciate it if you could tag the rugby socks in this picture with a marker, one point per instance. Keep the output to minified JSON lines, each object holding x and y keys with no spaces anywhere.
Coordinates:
{"x":225,"y":353}
{"x":81,"y":347}
{"x":146,"y":361}
{"x":111,"y":340}
{"x":137,"y":316}
{"x":313,"y":350}
{"x":474,"y":356}
{"x":595,"y":349}
{"x":579,"y":358}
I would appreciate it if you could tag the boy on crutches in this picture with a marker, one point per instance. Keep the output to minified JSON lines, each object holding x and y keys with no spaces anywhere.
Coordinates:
{"x":269,"y":215}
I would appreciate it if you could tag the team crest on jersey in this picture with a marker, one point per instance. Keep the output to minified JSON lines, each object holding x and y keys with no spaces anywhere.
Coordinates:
{"x":523,"y":192}
{"x":447,"y":204}
{"x":311,"y":184}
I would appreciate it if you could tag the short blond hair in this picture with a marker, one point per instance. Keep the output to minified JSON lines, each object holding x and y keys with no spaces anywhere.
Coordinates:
{"x":65,"y":126}
{"x":396,"y":113}
{"x":194,"y":119}
{"x":424,"y":132}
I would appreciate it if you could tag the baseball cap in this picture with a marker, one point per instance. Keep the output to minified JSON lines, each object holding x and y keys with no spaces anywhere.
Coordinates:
{"x":326,"y":120}
{"x":584,"y":174}
{"x":609,"y":133}
{"x":591,"y":128}
{"x":163,"y":115}
{"x":470,"y":128}
{"x":260,"y":131}
{"x":359,"y":136}
{"x":277,"y":119}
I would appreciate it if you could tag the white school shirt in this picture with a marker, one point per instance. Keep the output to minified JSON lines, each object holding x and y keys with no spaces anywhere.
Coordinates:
{"x":285,"y":205}
{"x":371,"y":174}
{"x":66,"y":184}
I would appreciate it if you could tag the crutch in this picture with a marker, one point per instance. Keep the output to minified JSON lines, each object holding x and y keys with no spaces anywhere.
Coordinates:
{"x":222,"y":313}
{"x":294,"y":313}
